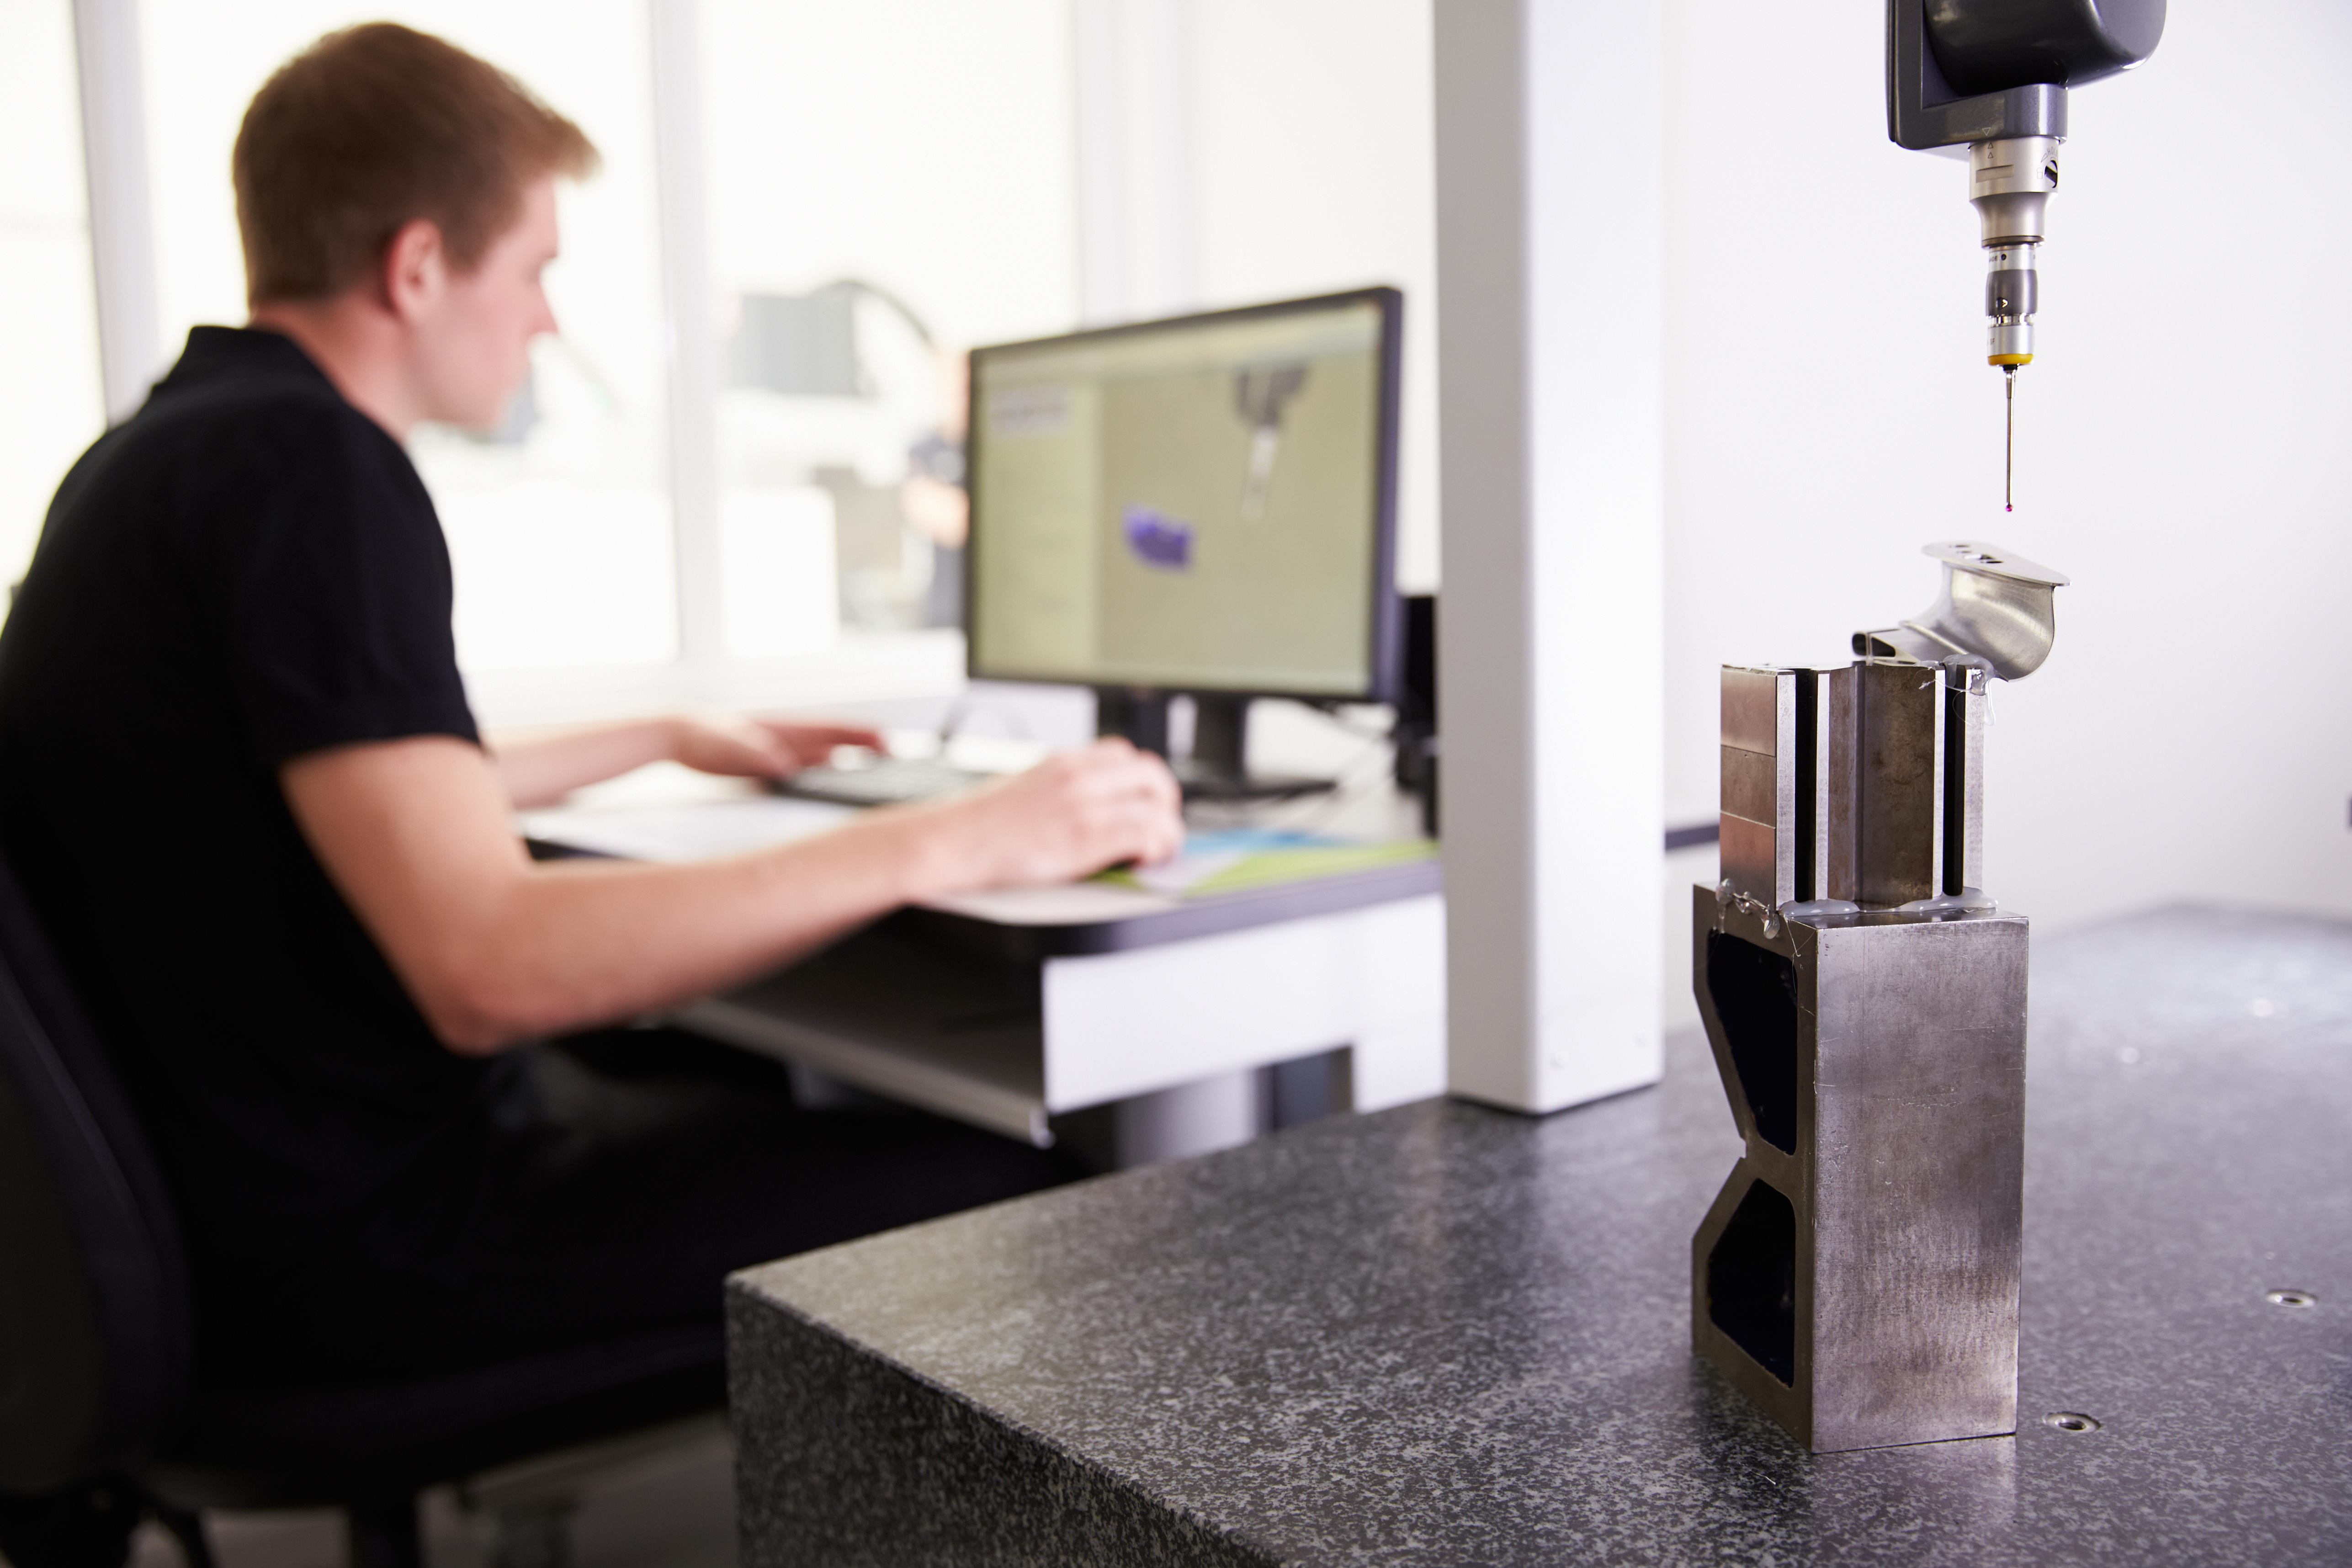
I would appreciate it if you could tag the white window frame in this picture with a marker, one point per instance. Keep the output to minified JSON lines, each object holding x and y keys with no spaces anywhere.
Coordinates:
{"x":121,"y":220}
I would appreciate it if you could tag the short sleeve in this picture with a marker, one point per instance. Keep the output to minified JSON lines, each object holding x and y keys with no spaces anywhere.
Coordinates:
{"x":339,"y":596}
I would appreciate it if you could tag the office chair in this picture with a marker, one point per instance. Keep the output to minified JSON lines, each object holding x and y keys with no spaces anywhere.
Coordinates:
{"x":101,"y":1421}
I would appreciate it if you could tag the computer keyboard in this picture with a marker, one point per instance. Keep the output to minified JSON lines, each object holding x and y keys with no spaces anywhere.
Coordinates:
{"x":885,"y":781}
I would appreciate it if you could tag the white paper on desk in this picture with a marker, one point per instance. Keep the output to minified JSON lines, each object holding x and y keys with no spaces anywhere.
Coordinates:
{"x":1176,"y":877}
{"x":698,"y":832}
{"x":1073,"y":903}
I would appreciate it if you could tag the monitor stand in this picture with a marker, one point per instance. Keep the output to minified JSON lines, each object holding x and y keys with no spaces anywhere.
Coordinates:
{"x":1216,"y":769}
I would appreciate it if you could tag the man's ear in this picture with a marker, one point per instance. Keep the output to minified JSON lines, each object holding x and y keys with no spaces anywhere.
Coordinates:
{"x":414,"y":272}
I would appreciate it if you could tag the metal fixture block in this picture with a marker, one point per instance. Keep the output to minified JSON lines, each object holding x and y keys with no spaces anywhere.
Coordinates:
{"x":1883,"y":806}
{"x":1768,"y":743}
{"x":1902,"y":812}
{"x":1858,"y":1275}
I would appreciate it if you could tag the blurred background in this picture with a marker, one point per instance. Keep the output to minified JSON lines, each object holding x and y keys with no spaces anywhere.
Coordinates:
{"x":733,"y":478}
{"x":835,"y":201}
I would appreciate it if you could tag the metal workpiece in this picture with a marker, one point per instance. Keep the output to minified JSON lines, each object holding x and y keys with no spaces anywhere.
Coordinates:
{"x":1857,"y":1275}
{"x":1867,"y":785}
{"x":1995,"y":605}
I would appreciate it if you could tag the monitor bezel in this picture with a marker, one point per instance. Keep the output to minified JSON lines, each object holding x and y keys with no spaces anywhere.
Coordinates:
{"x":1386,"y":624}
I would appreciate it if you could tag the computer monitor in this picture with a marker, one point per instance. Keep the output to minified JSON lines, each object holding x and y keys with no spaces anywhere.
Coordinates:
{"x":1204,"y":505}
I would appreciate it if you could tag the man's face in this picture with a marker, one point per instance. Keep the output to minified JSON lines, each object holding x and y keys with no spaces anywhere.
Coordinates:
{"x":473,"y":349}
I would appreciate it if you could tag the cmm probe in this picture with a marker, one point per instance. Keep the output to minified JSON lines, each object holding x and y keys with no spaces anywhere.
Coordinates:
{"x":1988,"y":79}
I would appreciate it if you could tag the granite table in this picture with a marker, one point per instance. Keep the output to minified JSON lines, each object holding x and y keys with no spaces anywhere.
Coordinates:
{"x":1444,"y":1334}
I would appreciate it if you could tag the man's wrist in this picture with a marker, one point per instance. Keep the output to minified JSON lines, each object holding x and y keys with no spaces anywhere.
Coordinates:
{"x":933,"y":852}
{"x":669,"y":739}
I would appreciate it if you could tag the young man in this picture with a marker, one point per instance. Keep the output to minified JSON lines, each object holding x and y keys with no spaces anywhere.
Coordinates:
{"x":241,"y":786}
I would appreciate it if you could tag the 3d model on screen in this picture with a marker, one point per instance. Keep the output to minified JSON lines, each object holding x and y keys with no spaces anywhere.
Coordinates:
{"x":1991,"y":75}
{"x":1259,"y":398}
{"x":1857,"y":1276}
{"x":1157,"y":540}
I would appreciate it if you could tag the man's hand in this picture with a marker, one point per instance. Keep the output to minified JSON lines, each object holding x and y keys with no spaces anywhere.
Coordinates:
{"x":739,"y":746}
{"x":1069,"y":817}
{"x":541,"y":769}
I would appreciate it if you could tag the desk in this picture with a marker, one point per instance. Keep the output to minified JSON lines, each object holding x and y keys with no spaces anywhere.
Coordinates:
{"x":1006,"y":1009}
{"x":1448,"y":1335}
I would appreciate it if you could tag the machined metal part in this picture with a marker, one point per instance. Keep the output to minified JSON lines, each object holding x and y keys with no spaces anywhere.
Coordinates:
{"x":1996,"y":605}
{"x":1857,"y":1276}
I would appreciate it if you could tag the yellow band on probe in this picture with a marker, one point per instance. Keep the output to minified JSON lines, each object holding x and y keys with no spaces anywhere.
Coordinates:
{"x":2008,"y":359}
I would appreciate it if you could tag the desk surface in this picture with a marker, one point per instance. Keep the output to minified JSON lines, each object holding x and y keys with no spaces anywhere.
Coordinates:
{"x":1016,"y":924}
{"x":1446,"y":1334}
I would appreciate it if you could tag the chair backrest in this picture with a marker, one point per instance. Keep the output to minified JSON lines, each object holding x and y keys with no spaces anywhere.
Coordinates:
{"x":94,"y":1316}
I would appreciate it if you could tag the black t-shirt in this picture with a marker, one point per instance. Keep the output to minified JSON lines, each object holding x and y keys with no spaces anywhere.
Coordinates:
{"x":247,"y":571}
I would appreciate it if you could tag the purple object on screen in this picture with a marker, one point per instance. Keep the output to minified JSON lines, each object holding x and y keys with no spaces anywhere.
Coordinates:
{"x":1157,"y":540}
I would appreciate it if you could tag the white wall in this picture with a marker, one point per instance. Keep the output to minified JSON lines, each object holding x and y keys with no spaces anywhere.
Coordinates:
{"x":923,"y":145}
{"x":1256,"y":150}
{"x":1314,"y":142}
{"x":2181,"y":442}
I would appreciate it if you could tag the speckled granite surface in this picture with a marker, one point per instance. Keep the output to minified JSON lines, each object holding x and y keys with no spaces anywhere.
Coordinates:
{"x":1449,"y":1335}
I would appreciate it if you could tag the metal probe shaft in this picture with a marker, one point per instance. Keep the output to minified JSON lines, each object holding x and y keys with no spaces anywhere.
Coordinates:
{"x":2009,"y":439}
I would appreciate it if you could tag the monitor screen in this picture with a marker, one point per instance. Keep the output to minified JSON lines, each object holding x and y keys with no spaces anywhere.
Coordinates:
{"x":1204,"y":504}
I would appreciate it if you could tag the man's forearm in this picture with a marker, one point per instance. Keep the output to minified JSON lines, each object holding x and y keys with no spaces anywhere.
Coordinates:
{"x":494,"y":949}
{"x":539,"y":769}
{"x":573,"y":944}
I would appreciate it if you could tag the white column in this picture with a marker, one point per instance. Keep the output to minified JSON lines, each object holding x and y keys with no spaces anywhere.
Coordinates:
{"x":122,"y":225}
{"x":1549,"y":250}
{"x":678,"y":172}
